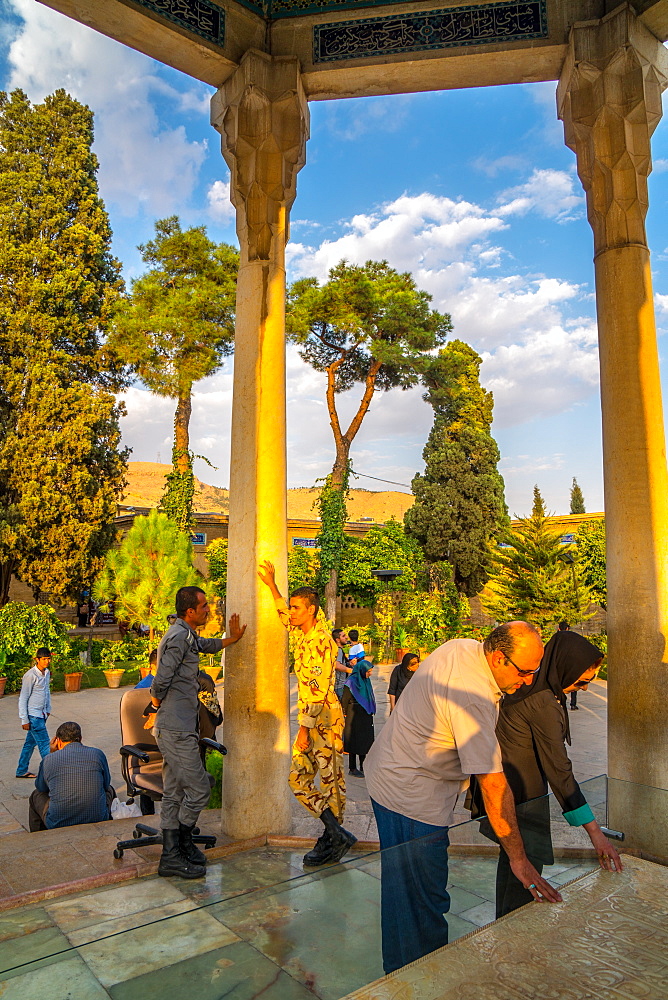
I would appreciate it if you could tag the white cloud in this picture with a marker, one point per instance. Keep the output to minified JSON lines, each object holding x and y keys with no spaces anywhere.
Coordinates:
{"x":550,"y":193}
{"x":220,"y":206}
{"x":537,"y":359}
{"x":144,"y":165}
{"x":349,"y":120}
{"x":661,"y":302}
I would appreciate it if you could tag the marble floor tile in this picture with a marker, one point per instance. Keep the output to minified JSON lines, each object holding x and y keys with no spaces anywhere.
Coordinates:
{"x":480,"y":915}
{"x":325,"y":932}
{"x":458,"y":927}
{"x":70,"y":979}
{"x":461,"y":900}
{"x":245,"y":872}
{"x":121,"y":908}
{"x":43,"y":946}
{"x":155,"y":946}
{"x":236,"y":972}
{"x":16,"y":923}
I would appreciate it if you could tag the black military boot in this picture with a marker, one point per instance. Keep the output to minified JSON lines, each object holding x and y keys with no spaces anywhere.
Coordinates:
{"x":172,"y":862}
{"x":189,"y":849}
{"x":321,"y":852}
{"x":341,"y":840}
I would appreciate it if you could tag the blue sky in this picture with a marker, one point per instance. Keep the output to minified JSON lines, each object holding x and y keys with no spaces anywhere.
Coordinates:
{"x":473,"y":191}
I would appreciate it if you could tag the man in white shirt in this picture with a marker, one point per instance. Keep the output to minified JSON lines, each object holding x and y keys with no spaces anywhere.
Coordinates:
{"x":34,"y":710}
{"x":442,"y":731}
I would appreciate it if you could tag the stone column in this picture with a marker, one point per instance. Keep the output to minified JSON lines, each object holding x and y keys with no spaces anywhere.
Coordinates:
{"x":609,"y":97}
{"x":262,"y":115}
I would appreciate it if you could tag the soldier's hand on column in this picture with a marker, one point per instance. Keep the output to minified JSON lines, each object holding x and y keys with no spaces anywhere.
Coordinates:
{"x":234,"y":630}
{"x":267,"y":573}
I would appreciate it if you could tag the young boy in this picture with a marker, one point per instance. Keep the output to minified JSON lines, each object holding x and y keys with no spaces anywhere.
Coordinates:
{"x":319,"y":743}
{"x":356,"y":651}
{"x":34,"y":710}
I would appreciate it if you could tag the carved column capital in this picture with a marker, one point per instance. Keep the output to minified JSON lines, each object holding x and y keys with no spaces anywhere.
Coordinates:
{"x":262,"y":115}
{"x":609,"y":98}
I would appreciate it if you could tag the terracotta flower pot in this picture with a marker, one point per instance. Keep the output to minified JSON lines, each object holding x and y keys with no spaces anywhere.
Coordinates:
{"x":399,"y":653}
{"x":144,"y":672}
{"x":73,"y":681}
{"x":212,"y":672}
{"x":114,"y":677}
{"x":3,"y":681}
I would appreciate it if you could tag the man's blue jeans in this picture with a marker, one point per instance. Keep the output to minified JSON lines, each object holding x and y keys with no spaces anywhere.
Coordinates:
{"x":413,"y":895}
{"x":36,"y":736}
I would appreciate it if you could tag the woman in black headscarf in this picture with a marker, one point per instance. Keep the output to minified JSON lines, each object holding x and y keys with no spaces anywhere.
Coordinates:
{"x":400,"y":677}
{"x":532,"y":729}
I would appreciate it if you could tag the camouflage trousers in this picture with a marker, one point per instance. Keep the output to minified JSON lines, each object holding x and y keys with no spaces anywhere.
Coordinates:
{"x":324,"y":757}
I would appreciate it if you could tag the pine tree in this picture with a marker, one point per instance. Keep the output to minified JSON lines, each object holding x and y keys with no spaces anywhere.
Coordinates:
{"x":154,"y":559}
{"x":459,"y":499}
{"x":538,"y":509}
{"x":368,"y":326}
{"x":175,"y":328}
{"x":61,"y":469}
{"x":577,"y":499}
{"x":535,"y":579}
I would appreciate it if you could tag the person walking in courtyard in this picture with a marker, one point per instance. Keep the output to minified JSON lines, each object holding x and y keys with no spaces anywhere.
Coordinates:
{"x":174,"y":696}
{"x":342,"y":668}
{"x":359,"y":707}
{"x":400,"y":677}
{"x":318,"y":747}
{"x":34,"y":710}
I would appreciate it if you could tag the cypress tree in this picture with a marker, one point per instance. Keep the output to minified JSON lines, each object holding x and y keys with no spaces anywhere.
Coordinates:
{"x":538,"y":509}
{"x":459,"y":499}
{"x":577,"y":499}
{"x":61,"y":469}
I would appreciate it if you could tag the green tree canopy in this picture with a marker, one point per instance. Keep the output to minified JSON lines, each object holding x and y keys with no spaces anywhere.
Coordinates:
{"x":538,"y":509}
{"x":216,"y":554}
{"x":577,"y":499}
{"x":534,"y":580}
{"x":367,"y":326}
{"x":61,"y":469}
{"x":385,"y":546}
{"x":591,"y":547}
{"x":153,"y":560}
{"x":175,"y":328}
{"x":459,"y":499}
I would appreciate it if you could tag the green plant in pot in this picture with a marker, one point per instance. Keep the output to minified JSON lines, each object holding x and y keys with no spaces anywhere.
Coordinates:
{"x":401,"y":641}
{"x":111,"y":653}
{"x":3,"y":667}
{"x":71,"y":668}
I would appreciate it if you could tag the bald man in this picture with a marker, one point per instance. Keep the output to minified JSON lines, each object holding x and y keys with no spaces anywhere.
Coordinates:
{"x":441,"y":732}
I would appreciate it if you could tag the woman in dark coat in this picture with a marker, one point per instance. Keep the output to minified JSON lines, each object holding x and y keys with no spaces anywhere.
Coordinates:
{"x":532,"y":729}
{"x":359,"y":707}
{"x":400,"y":677}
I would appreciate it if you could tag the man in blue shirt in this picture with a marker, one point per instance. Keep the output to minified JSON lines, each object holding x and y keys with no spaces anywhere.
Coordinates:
{"x":34,"y":710}
{"x":73,"y":785}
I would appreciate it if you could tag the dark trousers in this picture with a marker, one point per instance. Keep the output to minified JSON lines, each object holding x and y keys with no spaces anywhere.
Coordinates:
{"x":574,"y":699}
{"x":186,"y":785}
{"x":38,"y":806}
{"x":413,"y":894}
{"x":510,"y":893}
{"x":352,"y":761}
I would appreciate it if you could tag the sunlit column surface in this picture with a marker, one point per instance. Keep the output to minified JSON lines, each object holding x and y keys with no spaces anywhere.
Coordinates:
{"x":609,"y":98}
{"x":262,"y":116}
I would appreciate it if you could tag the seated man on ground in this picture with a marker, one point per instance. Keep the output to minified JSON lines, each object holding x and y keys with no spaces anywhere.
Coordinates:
{"x":73,"y":784}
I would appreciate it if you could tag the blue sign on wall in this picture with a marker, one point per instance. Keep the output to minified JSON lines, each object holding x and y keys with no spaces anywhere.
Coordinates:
{"x":198,"y":538}
{"x":304,"y":543}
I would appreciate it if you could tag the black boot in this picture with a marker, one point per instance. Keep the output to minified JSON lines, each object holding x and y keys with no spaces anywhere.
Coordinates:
{"x":321,"y":852}
{"x":341,"y":840}
{"x":172,"y":862}
{"x":188,"y":848}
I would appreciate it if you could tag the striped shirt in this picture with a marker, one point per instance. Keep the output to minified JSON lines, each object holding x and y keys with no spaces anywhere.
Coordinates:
{"x":76,"y":779}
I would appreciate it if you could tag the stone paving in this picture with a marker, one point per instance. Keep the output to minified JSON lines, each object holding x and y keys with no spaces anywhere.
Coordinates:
{"x":31,"y":861}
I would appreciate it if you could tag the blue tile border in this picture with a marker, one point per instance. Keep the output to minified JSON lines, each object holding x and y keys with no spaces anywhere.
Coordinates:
{"x":199,"y":16}
{"x":434,"y":29}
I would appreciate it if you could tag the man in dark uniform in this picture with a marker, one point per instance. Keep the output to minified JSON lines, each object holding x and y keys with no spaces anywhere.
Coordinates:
{"x":186,"y":786}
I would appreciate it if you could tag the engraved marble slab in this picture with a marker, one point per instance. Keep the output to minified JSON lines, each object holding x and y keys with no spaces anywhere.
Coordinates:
{"x":608,"y":939}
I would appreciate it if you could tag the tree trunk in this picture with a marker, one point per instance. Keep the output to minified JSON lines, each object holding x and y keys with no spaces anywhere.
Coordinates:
{"x":182,"y":432}
{"x":6,"y":570}
{"x":338,"y":477}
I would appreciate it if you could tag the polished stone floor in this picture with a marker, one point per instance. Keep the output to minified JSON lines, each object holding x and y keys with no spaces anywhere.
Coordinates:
{"x":257,"y":926}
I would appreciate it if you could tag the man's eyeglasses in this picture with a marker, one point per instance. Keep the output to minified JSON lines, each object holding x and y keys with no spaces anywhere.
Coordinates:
{"x":522,"y":673}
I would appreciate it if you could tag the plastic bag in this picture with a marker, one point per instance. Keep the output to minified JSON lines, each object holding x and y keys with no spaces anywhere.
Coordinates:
{"x":121,"y":810}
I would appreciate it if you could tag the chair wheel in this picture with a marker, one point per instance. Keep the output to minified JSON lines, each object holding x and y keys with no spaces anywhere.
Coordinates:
{"x":118,"y":853}
{"x":136,"y":834}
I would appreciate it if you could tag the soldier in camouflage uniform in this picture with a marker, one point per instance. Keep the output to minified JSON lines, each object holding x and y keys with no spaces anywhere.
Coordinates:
{"x":318,"y":747}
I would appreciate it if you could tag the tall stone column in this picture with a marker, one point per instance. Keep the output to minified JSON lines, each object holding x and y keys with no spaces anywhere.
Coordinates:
{"x":262,"y":115}
{"x":609,"y":97}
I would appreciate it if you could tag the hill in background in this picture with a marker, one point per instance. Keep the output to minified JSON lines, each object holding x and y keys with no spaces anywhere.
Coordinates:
{"x":146,"y":485}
